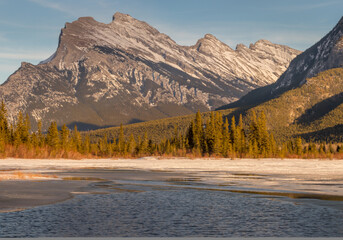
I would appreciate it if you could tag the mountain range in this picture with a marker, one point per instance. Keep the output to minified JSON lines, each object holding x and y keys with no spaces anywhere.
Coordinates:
{"x":307,"y":100}
{"x":126,"y":71}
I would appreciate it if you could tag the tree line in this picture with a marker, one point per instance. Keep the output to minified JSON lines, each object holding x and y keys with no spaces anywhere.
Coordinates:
{"x":215,"y":136}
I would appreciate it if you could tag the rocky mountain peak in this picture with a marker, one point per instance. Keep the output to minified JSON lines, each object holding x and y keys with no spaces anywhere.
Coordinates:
{"x":261,"y":43}
{"x":240,"y":47}
{"x":121,"y":20}
{"x":121,"y":17}
{"x":127,"y":71}
{"x":210,"y":45}
{"x":210,"y":37}
{"x":325,"y":54}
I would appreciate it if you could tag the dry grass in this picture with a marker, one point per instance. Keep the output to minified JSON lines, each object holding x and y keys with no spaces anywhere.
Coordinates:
{"x":18,"y":175}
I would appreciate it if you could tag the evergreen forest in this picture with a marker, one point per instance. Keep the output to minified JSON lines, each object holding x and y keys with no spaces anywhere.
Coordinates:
{"x":214,"y":136}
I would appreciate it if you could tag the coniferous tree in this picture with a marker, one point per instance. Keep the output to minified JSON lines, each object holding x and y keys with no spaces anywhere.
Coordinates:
{"x":298,"y":146}
{"x":226,"y":149}
{"x":139,"y":145}
{"x":40,"y":134}
{"x":19,"y":132}
{"x":253,"y":134}
{"x":322,"y":148}
{"x":86,"y":145}
{"x":145,"y":144}
{"x":103,"y":145}
{"x":198,"y":132}
{"x":210,"y":134}
{"x":331,"y":149}
{"x":26,"y":129}
{"x":2,"y":143}
{"x":76,"y":140}
{"x":240,"y":127}
{"x":265,"y":144}
{"x":218,"y":136}
{"x":312,"y":148}
{"x":131,"y":147}
{"x":190,"y":136}
{"x":4,"y":128}
{"x":340,"y":148}
{"x":52,"y":136}
{"x":273,"y":147}
{"x":64,"y":137}
{"x":34,"y":140}
{"x":234,"y":135}
{"x":121,"y":140}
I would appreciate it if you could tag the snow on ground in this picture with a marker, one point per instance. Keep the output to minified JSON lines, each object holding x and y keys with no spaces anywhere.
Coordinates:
{"x":304,"y":175}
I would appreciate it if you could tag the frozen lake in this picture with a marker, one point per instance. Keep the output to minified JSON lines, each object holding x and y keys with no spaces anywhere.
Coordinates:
{"x":171,"y":198}
{"x":175,"y":209}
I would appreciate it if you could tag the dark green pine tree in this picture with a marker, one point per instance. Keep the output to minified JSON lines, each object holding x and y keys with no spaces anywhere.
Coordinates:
{"x":198,"y":132}
{"x":26,"y":129}
{"x":52,"y":137}
{"x":145,"y":144}
{"x":226,"y":144}
{"x":34,"y":140}
{"x":76,"y":140}
{"x":190,"y":136}
{"x":40,"y":136}
{"x":4,"y":127}
{"x":234,"y":136}
{"x":240,"y":129}
{"x":253,"y":135}
{"x":19,"y":130}
{"x":103,"y":146}
{"x":210,"y":134}
{"x":64,"y":137}
{"x":176,"y":138}
{"x":218,"y":137}
{"x":298,"y":146}
{"x":121,"y":140}
{"x":131,"y":147}
{"x":263,"y":139}
{"x":86,"y":145}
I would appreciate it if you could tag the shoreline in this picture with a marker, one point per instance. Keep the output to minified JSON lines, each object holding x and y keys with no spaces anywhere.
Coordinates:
{"x":294,"y":178}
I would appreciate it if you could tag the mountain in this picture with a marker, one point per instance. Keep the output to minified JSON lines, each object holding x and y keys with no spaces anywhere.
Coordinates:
{"x":307,"y":100}
{"x":127,"y":71}
{"x":325,"y":54}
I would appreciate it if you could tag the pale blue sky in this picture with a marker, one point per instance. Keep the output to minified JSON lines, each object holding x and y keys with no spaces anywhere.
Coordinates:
{"x":29,"y":29}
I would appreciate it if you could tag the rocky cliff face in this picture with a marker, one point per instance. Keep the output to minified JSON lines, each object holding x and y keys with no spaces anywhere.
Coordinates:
{"x":324,"y":55}
{"x":127,"y":71}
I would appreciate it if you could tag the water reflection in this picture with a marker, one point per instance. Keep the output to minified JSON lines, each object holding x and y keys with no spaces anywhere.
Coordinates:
{"x":173,"y":212}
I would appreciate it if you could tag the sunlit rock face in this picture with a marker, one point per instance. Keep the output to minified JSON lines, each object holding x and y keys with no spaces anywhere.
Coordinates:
{"x":127,"y":71}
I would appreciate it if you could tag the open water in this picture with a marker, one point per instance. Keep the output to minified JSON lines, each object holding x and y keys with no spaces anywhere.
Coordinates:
{"x":175,"y":211}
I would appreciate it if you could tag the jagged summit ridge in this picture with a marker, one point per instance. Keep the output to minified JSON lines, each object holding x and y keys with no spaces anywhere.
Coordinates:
{"x":129,"y":68}
{"x":325,"y":54}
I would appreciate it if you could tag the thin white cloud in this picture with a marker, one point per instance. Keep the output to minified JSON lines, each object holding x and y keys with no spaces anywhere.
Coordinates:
{"x":55,"y":6}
